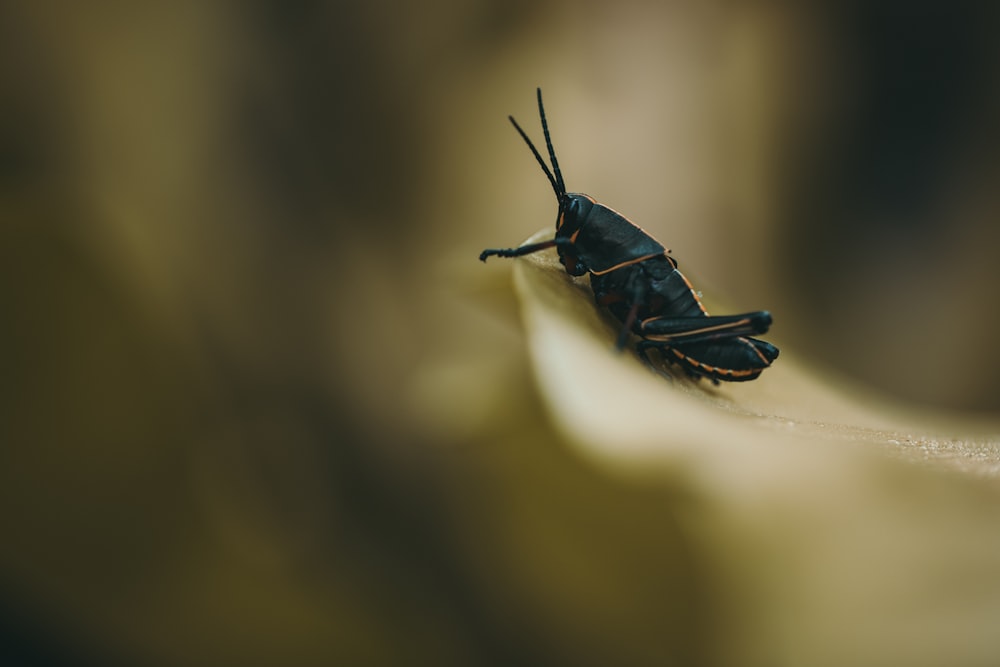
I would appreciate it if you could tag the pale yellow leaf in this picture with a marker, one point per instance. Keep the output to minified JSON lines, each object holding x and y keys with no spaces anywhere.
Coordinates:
{"x":845,"y":530}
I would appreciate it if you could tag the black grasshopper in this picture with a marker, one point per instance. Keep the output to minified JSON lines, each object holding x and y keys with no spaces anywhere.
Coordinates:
{"x":633,"y":276}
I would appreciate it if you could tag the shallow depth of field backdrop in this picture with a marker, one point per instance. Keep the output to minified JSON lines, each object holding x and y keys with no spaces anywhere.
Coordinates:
{"x":260,"y":404}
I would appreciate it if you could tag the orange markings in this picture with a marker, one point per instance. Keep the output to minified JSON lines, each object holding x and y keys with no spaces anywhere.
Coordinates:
{"x":692,"y":332}
{"x":697,"y":299}
{"x":715,"y":369}
{"x":628,"y":263}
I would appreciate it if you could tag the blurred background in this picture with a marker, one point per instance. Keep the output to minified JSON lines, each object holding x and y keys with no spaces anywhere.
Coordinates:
{"x":261,"y":404}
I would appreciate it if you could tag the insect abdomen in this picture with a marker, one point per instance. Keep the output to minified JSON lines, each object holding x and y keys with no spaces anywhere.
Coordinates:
{"x":676,"y":296}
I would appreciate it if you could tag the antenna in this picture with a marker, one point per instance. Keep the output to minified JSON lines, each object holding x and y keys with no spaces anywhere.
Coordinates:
{"x":557,"y":182}
{"x":548,"y":142}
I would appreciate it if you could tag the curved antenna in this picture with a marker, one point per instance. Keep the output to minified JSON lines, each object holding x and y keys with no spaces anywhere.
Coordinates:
{"x":548,"y":142}
{"x":538,"y":156}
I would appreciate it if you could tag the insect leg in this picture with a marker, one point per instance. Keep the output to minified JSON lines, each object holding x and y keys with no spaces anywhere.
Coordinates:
{"x":523,"y":250}
{"x":636,"y":290}
{"x":738,"y":359}
{"x":702,"y":329}
{"x":627,"y":327}
{"x":641,"y":349}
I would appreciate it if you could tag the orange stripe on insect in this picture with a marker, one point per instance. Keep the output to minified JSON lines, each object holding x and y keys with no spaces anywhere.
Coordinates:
{"x":627,"y":263}
{"x":697,"y":299}
{"x":693,"y":332}
{"x":757,"y":351}
{"x":715,"y":369}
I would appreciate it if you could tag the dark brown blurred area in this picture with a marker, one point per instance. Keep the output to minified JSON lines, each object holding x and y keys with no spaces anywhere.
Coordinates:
{"x":260,"y":404}
{"x":889,"y":207}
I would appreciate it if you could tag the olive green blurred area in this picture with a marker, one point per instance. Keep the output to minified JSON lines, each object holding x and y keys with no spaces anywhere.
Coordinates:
{"x":260,"y":404}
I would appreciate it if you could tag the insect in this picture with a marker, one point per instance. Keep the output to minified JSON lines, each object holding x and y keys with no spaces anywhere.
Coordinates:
{"x":633,"y":276}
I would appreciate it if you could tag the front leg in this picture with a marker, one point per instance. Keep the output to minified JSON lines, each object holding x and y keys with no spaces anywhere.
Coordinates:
{"x":523,"y":250}
{"x":623,"y":294}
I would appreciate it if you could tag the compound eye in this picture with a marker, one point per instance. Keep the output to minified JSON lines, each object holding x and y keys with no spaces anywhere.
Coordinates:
{"x":573,"y":210}
{"x":569,"y":215}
